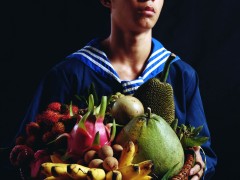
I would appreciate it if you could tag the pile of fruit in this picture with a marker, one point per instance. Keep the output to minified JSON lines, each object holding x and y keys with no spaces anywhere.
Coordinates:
{"x":123,"y":137}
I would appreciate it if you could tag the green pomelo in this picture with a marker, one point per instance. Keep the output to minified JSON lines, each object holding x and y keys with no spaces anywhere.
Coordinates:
{"x":156,"y":141}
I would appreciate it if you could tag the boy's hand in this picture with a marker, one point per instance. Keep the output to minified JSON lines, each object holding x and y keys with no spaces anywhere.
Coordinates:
{"x":197,"y":170}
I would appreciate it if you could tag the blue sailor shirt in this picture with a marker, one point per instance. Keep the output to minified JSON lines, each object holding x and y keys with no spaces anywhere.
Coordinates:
{"x":74,"y":75}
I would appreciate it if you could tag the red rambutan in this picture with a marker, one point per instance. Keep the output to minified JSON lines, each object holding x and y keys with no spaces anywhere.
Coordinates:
{"x":20,"y":140}
{"x":50,"y":116}
{"x":54,"y":106}
{"x":48,"y":136}
{"x":33,"y":128}
{"x":75,"y":109}
{"x":58,"y":128}
{"x":31,"y":141}
{"x":21,"y":155}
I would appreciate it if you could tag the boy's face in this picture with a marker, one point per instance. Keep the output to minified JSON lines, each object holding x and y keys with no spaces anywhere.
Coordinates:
{"x":135,"y":15}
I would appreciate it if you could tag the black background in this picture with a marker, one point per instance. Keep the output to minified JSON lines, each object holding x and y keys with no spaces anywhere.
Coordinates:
{"x":37,"y":34}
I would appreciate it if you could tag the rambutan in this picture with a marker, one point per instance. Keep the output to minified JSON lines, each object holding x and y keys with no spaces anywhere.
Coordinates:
{"x":55,"y":106}
{"x":50,"y":116}
{"x":48,"y":136}
{"x":65,"y":117}
{"x":66,"y":110}
{"x":38,"y":118}
{"x":21,"y":155}
{"x":33,"y":128}
{"x":20,"y":140}
{"x":75,"y":109}
{"x":58,"y":128}
{"x":31,"y":141}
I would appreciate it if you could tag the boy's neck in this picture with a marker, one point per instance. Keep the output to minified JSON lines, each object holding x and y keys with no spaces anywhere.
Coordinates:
{"x":128,"y":53}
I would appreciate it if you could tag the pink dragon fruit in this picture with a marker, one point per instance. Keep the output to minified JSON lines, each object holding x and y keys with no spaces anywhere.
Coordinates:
{"x":90,"y":132}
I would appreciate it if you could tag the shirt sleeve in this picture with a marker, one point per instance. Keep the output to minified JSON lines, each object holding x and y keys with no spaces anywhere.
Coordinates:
{"x":195,"y":116}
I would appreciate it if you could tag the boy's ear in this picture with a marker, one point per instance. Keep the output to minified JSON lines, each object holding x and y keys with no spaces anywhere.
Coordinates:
{"x":106,"y":3}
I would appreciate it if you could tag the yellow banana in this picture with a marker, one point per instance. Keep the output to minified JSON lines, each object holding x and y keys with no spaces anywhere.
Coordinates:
{"x":127,"y":154}
{"x":77,"y":171}
{"x":114,"y":175}
{"x":60,"y":171}
{"x":145,"y":178}
{"x":130,"y":171}
{"x":146,"y":167}
{"x":57,"y":178}
{"x":46,"y":168}
{"x":96,"y":174}
{"x":51,"y":178}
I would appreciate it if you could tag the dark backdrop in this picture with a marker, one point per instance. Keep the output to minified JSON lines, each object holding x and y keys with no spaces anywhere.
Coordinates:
{"x":37,"y":34}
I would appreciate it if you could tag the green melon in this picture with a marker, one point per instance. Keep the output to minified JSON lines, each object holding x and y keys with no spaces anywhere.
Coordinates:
{"x":156,"y":141}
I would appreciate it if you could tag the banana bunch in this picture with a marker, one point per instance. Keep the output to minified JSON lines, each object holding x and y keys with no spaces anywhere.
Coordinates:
{"x":126,"y":169}
{"x":129,"y":171}
{"x":62,"y":171}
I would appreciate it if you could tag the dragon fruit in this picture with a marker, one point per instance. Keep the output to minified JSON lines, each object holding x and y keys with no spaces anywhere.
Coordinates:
{"x":90,"y":132}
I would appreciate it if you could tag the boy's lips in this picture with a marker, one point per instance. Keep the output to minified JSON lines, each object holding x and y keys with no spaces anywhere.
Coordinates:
{"x":148,"y":11}
{"x":148,"y":8}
